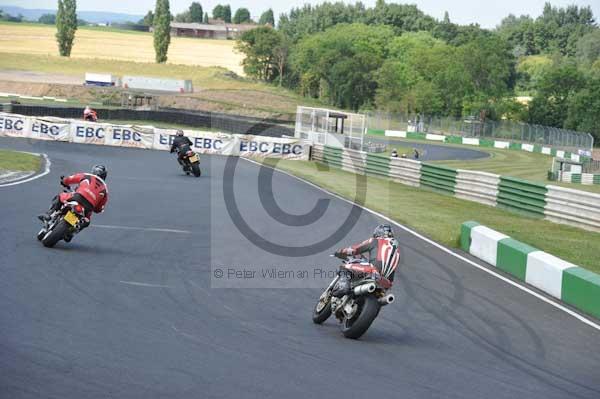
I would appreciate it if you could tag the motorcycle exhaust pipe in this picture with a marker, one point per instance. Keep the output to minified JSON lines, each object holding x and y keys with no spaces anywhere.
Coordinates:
{"x":365,"y":289}
{"x":386,"y":300}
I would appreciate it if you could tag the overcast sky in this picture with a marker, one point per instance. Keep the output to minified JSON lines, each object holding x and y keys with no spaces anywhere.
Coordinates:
{"x":487,"y":13}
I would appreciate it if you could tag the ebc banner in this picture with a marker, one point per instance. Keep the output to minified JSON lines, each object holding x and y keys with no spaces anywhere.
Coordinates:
{"x":14,"y":125}
{"x":130,"y":136}
{"x":50,"y":129}
{"x":89,"y":132}
{"x":261,"y":147}
{"x":202,"y":142}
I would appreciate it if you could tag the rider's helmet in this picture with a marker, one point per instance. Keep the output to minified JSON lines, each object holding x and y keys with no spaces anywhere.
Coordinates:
{"x":383,"y":231}
{"x":100,"y":171}
{"x":179,"y":133}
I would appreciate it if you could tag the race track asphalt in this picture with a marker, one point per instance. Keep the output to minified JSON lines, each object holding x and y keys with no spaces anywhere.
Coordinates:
{"x":130,"y":309}
{"x":431,"y":152}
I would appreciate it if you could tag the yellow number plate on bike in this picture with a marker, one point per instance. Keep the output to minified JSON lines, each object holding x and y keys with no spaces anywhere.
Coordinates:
{"x":194,"y":158}
{"x":71,"y":218}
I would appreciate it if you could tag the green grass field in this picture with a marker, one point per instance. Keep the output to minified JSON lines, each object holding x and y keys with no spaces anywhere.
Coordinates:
{"x":439,"y":216}
{"x":18,"y":161}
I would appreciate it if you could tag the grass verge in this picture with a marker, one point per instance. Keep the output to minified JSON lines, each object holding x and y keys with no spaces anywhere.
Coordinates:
{"x":439,"y":216}
{"x":18,"y":161}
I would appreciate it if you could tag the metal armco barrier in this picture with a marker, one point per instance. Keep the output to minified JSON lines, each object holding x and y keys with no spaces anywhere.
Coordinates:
{"x":521,"y":195}
{"x":574,"y":207}
{"x":353,"y":161}
{"x":378,"y":165}
{"x":332,"y":156}
{"x":477,"y":186}
{"x":405,"y":171}
{"x":439,"y":178}
{"x":556,"y":204}
{"x":579,"y":178}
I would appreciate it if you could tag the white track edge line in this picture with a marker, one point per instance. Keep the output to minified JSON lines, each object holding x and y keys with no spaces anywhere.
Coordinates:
{"x":47,"y":164}
{"x":439,"y":246}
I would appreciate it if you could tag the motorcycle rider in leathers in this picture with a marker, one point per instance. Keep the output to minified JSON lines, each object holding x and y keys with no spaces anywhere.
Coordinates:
{"x":180,"y":145}
{"x":383,"y":253}
{"x":91,"y":193}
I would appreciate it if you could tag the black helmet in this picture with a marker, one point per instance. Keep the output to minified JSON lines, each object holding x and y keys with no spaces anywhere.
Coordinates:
{"x":383,"y":231}
{"x":179,"y":133}
{"x":100,"y":171}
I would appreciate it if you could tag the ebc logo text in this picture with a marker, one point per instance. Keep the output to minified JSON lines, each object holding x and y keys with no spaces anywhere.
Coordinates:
{"x":89,"y":132}
{"x":126,"y":135}
{"x":11,"y":124}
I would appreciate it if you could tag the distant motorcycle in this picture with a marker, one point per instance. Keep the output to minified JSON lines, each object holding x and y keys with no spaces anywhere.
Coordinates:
{"x":89,"y":115}
{"x":190,"y":161}
{"x":64,"y":223}
{"x":357,"y":310}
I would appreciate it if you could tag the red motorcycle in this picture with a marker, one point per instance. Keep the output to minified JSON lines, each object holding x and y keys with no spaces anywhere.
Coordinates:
{"x":64,"y":223}
{"x":357,"y":310}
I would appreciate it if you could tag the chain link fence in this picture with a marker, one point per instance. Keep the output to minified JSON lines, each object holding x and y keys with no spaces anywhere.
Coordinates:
{"x":472,"y":127}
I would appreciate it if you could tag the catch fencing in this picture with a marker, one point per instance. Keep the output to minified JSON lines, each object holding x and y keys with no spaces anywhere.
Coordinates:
{"x":556,"y":204}
{"x":505,"y":130}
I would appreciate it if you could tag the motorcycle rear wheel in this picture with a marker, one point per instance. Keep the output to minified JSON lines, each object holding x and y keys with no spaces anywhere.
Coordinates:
{"x":196,"y":169}
{"x":56,"y":234}
{"x":368,"y":309}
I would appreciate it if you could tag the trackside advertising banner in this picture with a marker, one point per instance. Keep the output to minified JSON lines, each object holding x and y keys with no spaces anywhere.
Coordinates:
{"x":15,"y":125}
{"x":149,"y":137}
{"x":49,"y":129}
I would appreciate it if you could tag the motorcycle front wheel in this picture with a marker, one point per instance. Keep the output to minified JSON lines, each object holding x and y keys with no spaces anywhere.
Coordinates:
{"x":56,"y":234}
{"x":368,"y":309}
{"x":322,"y":311}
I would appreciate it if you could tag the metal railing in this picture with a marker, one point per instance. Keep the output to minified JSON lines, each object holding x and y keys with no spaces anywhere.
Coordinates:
{"x":472,"y":127}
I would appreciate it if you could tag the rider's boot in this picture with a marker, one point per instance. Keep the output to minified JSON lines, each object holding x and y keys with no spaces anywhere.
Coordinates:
{"x":55,"y":206}
{"x":44,"y":217}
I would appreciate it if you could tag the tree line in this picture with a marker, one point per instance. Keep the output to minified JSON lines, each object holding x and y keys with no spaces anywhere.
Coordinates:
{"x":396,"y":58}
{"x":222,"y":12}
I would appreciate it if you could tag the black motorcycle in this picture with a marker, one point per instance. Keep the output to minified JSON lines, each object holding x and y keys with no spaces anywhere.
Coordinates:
{"x":190,"y":161}
{"x":358,"y":309}
{"x":64,"y":223}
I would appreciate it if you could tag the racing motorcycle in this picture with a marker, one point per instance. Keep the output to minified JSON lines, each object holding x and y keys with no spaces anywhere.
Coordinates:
{"x":190,"y":161}
{"x":64,"y":223}
{"x":357,"y":310}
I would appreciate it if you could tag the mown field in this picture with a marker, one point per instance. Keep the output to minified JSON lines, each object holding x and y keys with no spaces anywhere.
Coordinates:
{"x":124,"y":45}
{"x":439,"y":216}
{"x":32,"y":48}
